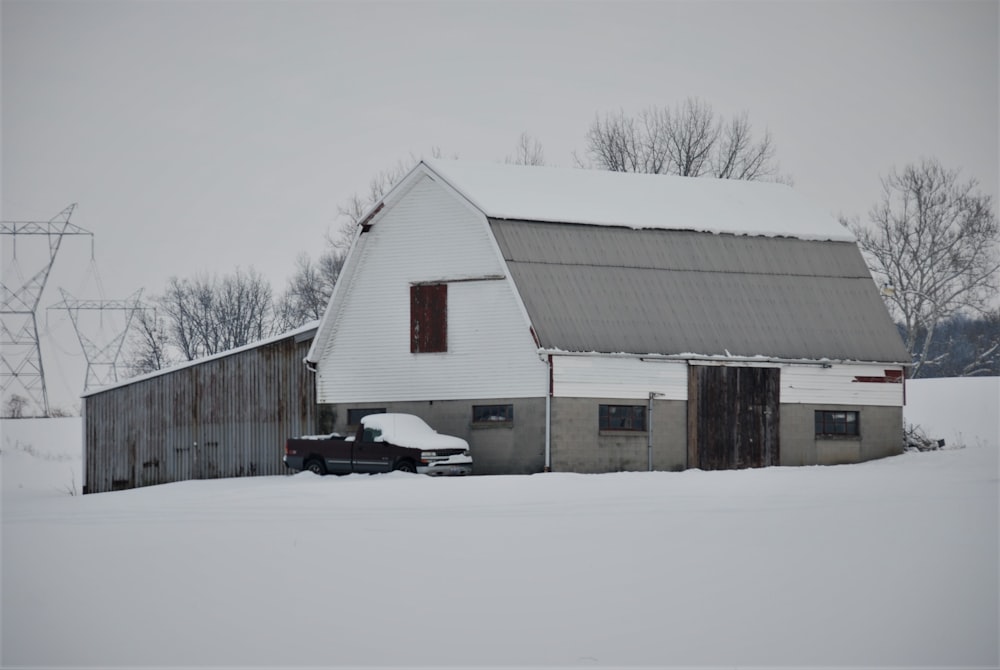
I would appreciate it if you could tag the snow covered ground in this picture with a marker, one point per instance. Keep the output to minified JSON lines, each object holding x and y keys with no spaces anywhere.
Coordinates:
{"x":889,"y":563}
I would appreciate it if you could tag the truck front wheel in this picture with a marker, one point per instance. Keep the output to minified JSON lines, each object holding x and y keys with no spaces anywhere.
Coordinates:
{"x":315,"y":466}
{"x":405,"y":466}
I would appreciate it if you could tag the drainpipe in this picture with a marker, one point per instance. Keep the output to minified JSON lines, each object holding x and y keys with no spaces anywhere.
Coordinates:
{"x":548,"y":422}
{"x":649,"y":429}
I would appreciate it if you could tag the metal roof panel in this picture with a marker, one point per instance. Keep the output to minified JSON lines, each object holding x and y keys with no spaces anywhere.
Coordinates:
{"x":609,"y":289}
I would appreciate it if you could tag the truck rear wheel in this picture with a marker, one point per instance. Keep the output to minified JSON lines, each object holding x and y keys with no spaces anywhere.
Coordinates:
{"x":315,"y":466}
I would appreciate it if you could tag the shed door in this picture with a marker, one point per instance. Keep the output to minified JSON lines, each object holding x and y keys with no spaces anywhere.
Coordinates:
{"x":732,"y":417}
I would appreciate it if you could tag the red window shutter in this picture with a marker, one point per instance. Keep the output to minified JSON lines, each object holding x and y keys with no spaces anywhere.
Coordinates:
{"x":428,"y":318}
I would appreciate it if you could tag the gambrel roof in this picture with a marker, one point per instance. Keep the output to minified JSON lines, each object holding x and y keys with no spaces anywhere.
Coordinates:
{"x":651,"y":264}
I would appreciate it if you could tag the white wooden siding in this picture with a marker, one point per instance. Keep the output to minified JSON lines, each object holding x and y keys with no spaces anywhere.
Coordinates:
{"x":430,"y":235}
{"x":631,"y":377}
{"x":836,"y":385}
{"x":618,"y":377}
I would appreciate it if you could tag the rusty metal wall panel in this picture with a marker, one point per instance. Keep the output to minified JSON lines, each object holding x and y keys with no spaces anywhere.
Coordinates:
{"x":733,"y":415}
{"x":227,"y":416}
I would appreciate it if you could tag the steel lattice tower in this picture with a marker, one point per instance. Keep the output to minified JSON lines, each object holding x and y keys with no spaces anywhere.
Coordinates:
{"x":102,"y":356}
{"x":20,"y":349}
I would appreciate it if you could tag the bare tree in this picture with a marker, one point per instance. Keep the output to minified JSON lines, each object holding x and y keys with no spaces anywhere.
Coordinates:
{"x":207,"y":315}
{"x":738,"y":156}
{"x":178,"y":304}
{"x":309,"y":289}
{"x":148,"y":343}
{"x":244,"y":308}
{"x":690,"y":140}
{"x":932,"y":244}
{"x":527,"y":152}
{"x":15,"y":406}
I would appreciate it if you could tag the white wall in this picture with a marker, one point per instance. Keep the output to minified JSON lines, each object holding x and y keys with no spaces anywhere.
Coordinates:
{"x":618,"y":377}
{"x":814,"y":384}
{"x":430,"y":235}
{"x":632,"y":377}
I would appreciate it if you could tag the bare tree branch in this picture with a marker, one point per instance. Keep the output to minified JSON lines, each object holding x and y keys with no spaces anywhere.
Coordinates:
{"x":527,"y":152}
{"x":932,"y":241}
{"x":690,"y":140}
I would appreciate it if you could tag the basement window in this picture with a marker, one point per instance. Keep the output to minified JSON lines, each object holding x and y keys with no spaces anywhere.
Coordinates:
{"x":428,"y":318}
{"x":622,"y":417}
{"x":492,"y":415}
{"x":837,"y":423}
{"x":354,"y":416}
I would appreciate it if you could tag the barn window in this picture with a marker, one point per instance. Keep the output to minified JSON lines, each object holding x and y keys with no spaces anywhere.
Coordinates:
{"x":623,"y":417}
{"x":428,"y":318}
{"x":837,"y":423}
{"x":493,"y":415}
{"x":354,"y":416}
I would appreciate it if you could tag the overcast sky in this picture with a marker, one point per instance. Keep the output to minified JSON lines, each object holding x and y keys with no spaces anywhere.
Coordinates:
{"x":202,"y":136}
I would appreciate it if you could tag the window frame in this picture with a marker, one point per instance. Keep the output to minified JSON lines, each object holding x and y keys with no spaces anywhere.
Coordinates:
{"x":827,"y":424}
{"x":604,"y":415}
{"x":505,"y":416}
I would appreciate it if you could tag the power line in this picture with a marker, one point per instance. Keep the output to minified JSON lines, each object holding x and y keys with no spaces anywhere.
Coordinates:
{"x":101,"y":353}
{"x":21,"y":353}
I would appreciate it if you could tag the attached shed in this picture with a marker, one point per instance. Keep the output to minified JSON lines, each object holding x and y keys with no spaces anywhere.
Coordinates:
{"x":227,"y":415}
{"x":589,"y":321}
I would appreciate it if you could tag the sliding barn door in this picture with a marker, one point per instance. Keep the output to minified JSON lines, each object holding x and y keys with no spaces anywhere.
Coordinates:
{"x":732,"y":417}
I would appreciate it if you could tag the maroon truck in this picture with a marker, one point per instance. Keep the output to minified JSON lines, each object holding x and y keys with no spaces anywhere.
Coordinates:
{"x":383,"y":442}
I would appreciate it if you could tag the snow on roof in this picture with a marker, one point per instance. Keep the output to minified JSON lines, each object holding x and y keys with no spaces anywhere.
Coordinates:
{"x":407,"y":430}
{"x":632,"y":200}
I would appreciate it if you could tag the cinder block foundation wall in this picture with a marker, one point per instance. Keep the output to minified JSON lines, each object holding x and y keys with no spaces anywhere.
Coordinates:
{"x":578,"y":444}
{"x":881,"y":435}
{"x":516,"y":448}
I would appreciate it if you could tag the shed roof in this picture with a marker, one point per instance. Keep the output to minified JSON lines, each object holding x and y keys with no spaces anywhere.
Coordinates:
{"x":607,"y":289}
{"x":632,"y":200}
{"x":303,"y":332}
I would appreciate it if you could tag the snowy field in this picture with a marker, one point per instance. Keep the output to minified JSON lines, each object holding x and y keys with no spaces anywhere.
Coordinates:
{"x":889,"y":563}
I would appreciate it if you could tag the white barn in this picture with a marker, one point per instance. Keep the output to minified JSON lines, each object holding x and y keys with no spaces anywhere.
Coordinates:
{"x":587,"y":321}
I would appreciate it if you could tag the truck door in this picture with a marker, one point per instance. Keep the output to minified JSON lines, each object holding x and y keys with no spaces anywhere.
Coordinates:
{"x":371,"y":455}
{"x":337,"y":455}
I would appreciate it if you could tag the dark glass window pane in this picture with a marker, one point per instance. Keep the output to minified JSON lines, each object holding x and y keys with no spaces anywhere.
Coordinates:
{"x":354,"y":416}
{"x":492,"y":413}
{"x":622,"y":417}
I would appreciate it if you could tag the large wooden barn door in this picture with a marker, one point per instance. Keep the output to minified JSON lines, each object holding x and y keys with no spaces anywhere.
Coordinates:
{"x":732,"y":417}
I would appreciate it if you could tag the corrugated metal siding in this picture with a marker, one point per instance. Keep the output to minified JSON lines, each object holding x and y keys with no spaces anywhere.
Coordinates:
{"x":226,"y":417}
{"x":599,"y":289}
{"x":429,"y":236}
{"x":618,"y":377}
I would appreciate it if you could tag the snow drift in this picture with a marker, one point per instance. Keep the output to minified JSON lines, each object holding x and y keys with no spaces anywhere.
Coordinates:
{"x":887,"y":563}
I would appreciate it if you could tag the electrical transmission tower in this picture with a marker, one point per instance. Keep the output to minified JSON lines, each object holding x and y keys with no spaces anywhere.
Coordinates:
{"x":20,"y":349}
{"x":101,"y":354}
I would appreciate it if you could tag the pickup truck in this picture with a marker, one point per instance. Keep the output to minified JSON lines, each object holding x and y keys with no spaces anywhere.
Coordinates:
{"x":383,"y":442}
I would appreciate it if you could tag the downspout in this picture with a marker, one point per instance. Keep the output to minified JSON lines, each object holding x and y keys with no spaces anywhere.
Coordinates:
{"x":649,"y":430}
{"x":548,"y":422}
{"x":649,"y":434}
